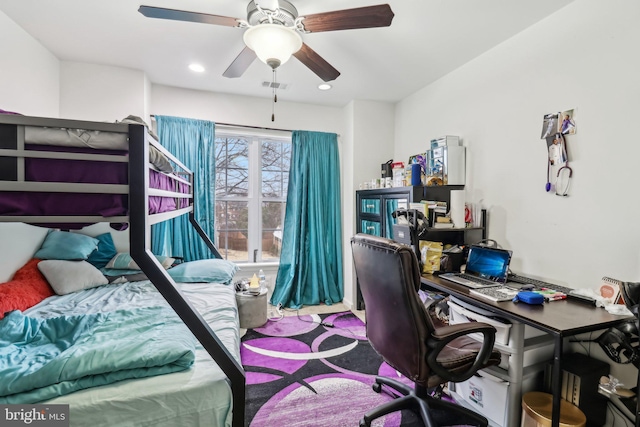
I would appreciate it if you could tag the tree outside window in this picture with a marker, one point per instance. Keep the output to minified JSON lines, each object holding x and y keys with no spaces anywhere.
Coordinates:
{"x":252,"y":175}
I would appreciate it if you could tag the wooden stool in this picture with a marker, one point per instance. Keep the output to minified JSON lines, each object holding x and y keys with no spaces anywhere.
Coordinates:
{"x":536,"y":411}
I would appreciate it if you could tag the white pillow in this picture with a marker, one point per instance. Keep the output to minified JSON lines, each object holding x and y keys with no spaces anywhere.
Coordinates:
{"x":66,"y":277}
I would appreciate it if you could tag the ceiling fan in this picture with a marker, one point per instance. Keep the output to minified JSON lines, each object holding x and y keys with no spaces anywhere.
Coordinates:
{"x":273,"y":29}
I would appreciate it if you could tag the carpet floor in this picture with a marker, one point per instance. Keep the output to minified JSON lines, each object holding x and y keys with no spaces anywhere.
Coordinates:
{"x":315,"y":370}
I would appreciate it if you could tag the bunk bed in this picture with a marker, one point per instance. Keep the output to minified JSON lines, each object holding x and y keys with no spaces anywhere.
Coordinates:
{"x":67,"y":174}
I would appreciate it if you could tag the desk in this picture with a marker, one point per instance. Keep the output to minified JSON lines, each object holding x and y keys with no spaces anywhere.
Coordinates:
{"x":560,"y":319}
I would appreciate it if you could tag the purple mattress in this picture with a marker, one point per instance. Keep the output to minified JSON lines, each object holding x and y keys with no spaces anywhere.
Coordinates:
{"x":80,"y":204}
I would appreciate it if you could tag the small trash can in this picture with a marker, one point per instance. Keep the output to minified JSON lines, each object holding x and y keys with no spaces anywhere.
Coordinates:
{"x":252,"y":309}
{"x":536,"y":411}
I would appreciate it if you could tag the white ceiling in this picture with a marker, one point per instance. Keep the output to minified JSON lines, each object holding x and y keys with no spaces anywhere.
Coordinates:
{"x":426,"y":40}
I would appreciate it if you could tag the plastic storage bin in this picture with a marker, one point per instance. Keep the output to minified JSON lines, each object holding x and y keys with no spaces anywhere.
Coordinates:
{"x":490,"y":396}
{"x":459,"y":314}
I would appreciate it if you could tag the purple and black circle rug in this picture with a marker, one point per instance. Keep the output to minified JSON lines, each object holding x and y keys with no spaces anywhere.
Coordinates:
{"x":302,"y":373}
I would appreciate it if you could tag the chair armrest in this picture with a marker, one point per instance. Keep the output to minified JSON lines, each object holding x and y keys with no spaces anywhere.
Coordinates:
{"x":441,"y":337}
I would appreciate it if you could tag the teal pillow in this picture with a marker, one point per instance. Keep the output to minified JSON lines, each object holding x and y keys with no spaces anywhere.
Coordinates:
{"x":105,"y":251}
{"x":66,"y":246}
{"x":204,"y":270}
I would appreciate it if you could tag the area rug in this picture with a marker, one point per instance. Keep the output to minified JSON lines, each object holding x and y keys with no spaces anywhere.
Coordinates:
{"x":315,"y":370}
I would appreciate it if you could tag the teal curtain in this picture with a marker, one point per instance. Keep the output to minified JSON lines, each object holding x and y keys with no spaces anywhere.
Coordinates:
{"x":192,"y":142}
{"x":311,"y":259}
{"x":392,"y":205}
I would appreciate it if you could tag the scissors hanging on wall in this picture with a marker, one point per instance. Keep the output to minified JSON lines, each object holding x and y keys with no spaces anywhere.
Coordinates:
{"x":558,"y":156}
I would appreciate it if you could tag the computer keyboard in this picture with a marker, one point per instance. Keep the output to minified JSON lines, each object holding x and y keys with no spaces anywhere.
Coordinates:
{"x":476,"y":279}
{"x":497,"y":294}
{"x":540,"y":285}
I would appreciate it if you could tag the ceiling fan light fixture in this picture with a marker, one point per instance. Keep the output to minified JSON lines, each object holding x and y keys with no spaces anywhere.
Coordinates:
{"x":273,"y":43}
{"x":324,"y":86}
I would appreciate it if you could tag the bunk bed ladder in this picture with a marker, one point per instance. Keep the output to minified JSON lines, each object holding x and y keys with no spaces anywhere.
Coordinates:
{"x":140,"y":238}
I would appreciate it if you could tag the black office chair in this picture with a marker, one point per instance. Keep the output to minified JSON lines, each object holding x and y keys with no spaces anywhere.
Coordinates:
{"x":631,"y":296}
{"x":400,"y":329}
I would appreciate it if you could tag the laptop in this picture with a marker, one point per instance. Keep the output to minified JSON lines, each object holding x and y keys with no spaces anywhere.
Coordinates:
{"x":486,"y":267}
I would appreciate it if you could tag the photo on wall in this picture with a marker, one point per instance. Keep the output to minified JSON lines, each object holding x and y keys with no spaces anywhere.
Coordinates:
{"x":550,"y":125}
{"x":556,"y":149}
{"x":567,"y":122}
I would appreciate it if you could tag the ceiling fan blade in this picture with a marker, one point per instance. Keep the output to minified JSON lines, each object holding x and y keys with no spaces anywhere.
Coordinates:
{"x":315,"y":63}
{"x":349,"y":19}
{"x":240,"y":64}
{"x":181,"y":15}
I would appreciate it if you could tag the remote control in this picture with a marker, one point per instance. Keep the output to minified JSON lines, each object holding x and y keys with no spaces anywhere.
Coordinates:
{"x":582,"y":298}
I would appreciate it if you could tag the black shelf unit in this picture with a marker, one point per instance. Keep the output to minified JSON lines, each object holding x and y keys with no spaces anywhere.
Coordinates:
{"x":373,"y":216}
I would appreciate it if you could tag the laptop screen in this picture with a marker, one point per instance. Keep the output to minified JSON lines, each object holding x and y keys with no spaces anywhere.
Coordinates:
{"x":488,"y":263}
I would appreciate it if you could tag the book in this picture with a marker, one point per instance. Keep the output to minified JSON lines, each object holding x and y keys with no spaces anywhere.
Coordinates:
{"x":610,"y":289}
{"x":443,"y":225}
{"x":437,"y":210}
{"x":420,"y":207}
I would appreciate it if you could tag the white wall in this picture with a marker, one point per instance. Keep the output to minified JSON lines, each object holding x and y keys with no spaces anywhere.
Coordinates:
{"x":581,"y":57}
{"x":102,"y":93}
{"x":578,"y":58}
{"x":30,"y":74}
{"x":370,"y":127}
{"x":29,"y":85}
{"x":243,"y":110}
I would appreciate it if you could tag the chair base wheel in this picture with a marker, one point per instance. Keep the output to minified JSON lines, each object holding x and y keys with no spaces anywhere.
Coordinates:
{"x":363,"y":423}
{"x":377,"y":387}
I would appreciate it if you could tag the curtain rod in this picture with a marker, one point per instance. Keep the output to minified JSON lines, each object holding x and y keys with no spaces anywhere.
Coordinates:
{"x":153,"y":116}
{"x":252,"y":127}
{"x":246,"y":126}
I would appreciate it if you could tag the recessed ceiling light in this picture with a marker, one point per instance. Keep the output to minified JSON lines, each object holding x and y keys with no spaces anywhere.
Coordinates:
{"x":197,"y":68}
{"x":324,"y":86}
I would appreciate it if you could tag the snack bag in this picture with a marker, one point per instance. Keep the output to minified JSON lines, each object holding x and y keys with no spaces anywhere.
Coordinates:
{"x":430,"y":254}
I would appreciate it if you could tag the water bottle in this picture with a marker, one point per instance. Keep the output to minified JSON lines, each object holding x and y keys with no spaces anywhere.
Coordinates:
{"x":263,"y":279}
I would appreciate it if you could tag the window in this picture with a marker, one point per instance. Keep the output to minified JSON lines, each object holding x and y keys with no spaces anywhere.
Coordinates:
{"x":252,"y":175}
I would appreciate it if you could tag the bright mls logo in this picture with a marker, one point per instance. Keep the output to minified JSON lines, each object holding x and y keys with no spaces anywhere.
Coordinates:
{"x":34,"y":415}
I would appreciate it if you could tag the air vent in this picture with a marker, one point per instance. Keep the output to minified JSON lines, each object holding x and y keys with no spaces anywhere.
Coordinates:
{"x":275,"y":85}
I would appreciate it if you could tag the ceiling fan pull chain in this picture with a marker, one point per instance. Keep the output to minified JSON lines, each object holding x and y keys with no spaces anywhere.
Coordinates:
{"x":275,"y":85}
{"x":275,"y":96}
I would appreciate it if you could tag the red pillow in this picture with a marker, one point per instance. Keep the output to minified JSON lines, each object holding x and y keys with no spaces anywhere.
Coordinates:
{"x":27,"y":288}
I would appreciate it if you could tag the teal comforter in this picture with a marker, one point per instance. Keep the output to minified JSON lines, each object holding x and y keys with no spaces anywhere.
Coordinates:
{"x":44,"y":358}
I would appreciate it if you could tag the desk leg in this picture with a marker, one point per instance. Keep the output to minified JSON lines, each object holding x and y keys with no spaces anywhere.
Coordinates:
{"x":638,"y":404}
{"x":556,"y":381}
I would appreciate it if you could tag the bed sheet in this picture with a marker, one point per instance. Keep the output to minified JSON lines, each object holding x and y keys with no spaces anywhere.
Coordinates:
{"x":200,"y":395}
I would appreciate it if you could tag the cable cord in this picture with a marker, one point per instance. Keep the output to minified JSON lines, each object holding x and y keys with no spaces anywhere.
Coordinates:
{"x":278,"y":315}
{"x":490,"y":243}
